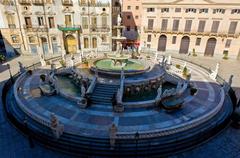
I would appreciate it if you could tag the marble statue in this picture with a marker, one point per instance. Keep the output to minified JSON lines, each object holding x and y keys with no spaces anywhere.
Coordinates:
{"x":83,"y":91}
{"x":214,"y":73}
{"x":159,"y":91}
{"x":185,"y":64}
{"x":156,"y":56}
{"x":163,"y":61}
{"x":56,"y":127}
{"x":169,"y":60}
{"x":21,"y":67}
{"x":119,"y":20}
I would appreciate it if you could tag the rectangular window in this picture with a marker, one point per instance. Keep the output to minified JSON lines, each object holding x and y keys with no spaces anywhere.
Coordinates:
{"x":215,"y":26}
{"x":85,"y":42}
{"x":129,"y":7}
{"x":164,"y":24}
{"x":104,"y":21}
{"x":15,"y":39}
{"x":28,"y":22}
{"x":228,"y":43}
{"x":40,"y":21}
{"x":235,"y":11}
{"x":175,"y":25}
{"x":178,"y":10}
{"x":85,"y":22}
{"x":204,"y":10}
{"x":150,"y":9}
{"x":221,"y":11}
{"x":232,"y":27}
{"x":163,"y":10}
{"x":51,"y":22}
{"x":137,"y":7}
{"x":174,"y":39}
{"x":129,"y":17}
{"x":191,"y":10}
{"x":201,"y":25}
{"x":198,"y":41}
{"x":68,"y":20}
{"x":188,"y":26}
{"x":11,"y":21}
{"x":94,"y":21}
{"x":150,"y":24}
{"x":148,"y":45}
{"x":149,"y":38}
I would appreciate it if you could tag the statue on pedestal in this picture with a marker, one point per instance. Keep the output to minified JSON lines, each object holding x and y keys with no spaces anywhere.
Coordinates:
{"x":21,"y":67}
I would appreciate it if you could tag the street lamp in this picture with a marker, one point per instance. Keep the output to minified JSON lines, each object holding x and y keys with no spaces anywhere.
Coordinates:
{"x":10,"y":73}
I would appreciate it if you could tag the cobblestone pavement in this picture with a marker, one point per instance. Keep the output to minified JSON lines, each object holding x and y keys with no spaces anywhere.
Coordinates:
{"x":227,"y":145}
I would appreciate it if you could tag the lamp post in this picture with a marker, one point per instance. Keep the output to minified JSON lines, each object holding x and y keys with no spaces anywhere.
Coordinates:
{"x":136,"y":139}
{"x":10,"y":73}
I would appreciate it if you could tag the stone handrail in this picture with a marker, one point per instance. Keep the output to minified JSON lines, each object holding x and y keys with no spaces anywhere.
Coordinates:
{"x":178,"y":128}
{"x":92,"y":85}
{"x":35,"y":117}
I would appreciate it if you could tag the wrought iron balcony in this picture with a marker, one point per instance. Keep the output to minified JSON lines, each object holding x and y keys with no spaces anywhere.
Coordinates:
{"x":38,"y":2}
{"x":97,"y":4}
{"x":11,"y":26}
{"x":192,"y":32}
{"x":101,"y":28}
{"x":69,"y":27}
{"x":7,"y":2}
{"x":24,"y":2}
{"x":33,"y":28}
{"x":67,"y":2}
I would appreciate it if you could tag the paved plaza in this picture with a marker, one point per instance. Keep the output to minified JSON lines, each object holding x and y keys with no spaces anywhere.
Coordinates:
{"x":226,"y":144}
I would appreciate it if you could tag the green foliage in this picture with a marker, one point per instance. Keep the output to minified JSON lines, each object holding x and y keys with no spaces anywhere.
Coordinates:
{"x":194,"y":52}
{"x":63,"y":63}
{"x":178,"y":66}
{"x":185,"y":71}
{"x":2,"y":58}
{"x":225,"y":55}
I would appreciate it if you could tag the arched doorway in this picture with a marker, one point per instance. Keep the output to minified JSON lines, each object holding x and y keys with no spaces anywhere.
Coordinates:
{"x":210,"y":47}
{"x":162,"y":42}
{"x":184,"y":45}
{"x":71,"y":44}
{"x":44,"y":45}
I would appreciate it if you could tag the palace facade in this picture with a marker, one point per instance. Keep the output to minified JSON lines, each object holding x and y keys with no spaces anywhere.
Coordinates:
{"x":206,"y":27}
{"x":56,"y":26}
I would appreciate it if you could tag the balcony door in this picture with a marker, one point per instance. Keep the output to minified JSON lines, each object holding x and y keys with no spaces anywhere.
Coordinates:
{"x":210,"y":47}
{"x":68,"y":20}
{"x":28,"y":22}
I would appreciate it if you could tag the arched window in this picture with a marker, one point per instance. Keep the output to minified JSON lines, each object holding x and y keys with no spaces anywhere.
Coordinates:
{"x":94,"y":42}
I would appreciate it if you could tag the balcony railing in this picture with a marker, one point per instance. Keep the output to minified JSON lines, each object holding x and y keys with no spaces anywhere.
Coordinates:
{"x":33,"y":28}
{"x":11,"y":26}
{"x":218,"y":34}
{"x":69,"y":27}
{"x":103,"y":28}
{"x":38,"y":2}
{"x":67,"y":2}
{"x":97,"y":4}
{"x":24,"y":2}
{"x":7,"y":2}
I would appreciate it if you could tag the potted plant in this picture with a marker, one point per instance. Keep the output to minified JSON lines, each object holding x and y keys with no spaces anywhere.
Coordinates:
{"x":225,"y":55}
{"x":178,"y":66}
{"x":194,"y":52}
{"x":185,"y":70}
{"x":63,"y":63}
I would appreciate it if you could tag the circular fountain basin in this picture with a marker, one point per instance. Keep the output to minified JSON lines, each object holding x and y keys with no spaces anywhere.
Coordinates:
{"x":114,"y":65}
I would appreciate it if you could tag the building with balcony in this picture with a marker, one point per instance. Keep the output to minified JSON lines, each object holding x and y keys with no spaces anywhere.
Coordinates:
{"x":56,"y":26}
{"x":132,"y":15}
{"x":208,"y":27}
